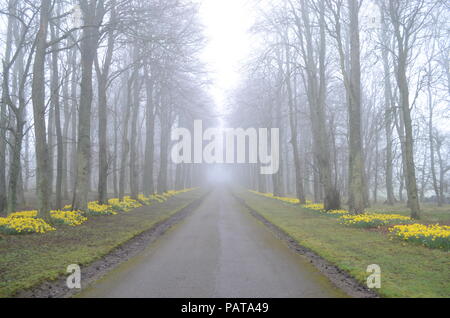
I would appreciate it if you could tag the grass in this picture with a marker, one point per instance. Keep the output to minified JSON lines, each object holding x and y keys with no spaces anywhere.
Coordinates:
{"x":407,"y":270}
{"x":27,"y":260}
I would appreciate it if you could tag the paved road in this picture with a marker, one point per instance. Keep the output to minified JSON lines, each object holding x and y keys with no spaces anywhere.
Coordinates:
{"x":218,"y":251}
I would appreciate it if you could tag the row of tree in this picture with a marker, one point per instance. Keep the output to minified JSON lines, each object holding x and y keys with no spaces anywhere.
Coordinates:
{"x":360,"y":92}
{"x":90,"y":91}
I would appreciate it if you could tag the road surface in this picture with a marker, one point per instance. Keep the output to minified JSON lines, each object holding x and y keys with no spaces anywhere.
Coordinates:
{"x":219,"y":250}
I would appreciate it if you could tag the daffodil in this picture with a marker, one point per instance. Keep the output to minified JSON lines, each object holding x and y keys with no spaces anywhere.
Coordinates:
{"x":272,"y":196}
{"x":24,"y":225}
{"x":94,"y":208}
{"x":22,"y":214}
{"x":72,"y":218}
{"x":434,"y":236}
{"x":373,"y":219}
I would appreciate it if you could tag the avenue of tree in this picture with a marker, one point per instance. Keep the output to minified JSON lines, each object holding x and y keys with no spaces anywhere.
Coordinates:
{"x":360,"y":92}
{"x":90,"y":91}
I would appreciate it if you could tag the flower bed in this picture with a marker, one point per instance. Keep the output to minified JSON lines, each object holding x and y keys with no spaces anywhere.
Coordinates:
{"x":96,"y":209}
{"x":270,"y":195}
{"x":320,"y":208}
{"x":367,"y":220}
{"x":145,"y":200}
{"x":24,"y":214}
{"x":288,"y":200}
{"x":314,"y":206}
{"x":71,"y":218}
{"x":158,"y":198}
{"x":24,"y":225}
{"x":125,"y":205}
{"x":337,"y":212}
{"x":433,"y":236}
{"x":24,"y":222}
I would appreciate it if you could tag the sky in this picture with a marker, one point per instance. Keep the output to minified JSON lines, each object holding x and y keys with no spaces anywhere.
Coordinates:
{"x":227,"y":24}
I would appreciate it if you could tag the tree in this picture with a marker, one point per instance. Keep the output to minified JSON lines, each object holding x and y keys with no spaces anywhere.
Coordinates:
{"x":103,"y":73}
{"x":149,"y":133}
{"x":407,"y":19}
{"x":388,"y":107}
{"x":38,"y":96}
{"x":93,"y":13}
{"x":351,"y":72}
{"x":316,"y":87}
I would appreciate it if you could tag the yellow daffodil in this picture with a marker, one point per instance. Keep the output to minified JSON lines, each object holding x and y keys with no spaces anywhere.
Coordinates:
{"x":373,"y":219}
{"x":435,"y":235}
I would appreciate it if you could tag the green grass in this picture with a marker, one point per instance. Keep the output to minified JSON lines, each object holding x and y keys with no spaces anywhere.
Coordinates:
{"x":27,"y":260}
{"x":407,"y":270}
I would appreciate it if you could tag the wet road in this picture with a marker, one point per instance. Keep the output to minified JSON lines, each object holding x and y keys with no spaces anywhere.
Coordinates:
{"x":220,"y":250}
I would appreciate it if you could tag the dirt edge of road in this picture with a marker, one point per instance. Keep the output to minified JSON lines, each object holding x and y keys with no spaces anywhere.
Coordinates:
{"x":120,"y":254}
{"x":337,"y":276}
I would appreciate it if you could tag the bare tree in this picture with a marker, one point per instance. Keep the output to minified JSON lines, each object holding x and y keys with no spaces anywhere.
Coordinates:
{"x":407,"y":19}
{"x":93,"y":12}
{"x":38,"y":95}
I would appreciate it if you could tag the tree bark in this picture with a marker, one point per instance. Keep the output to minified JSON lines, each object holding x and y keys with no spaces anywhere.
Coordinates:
{"x":300,"y":191}
{"x":388,"y":111}
{"x":102,"y":84}
{"x":134,"y":178}
{"x":125,"y":143}
{"x":316,"y":90}
{"x":93,"y":12}
{"x":357,"y":202}
{"x":402,"y":56}
{"x":57,"y":109}
{"x":165,"y":131}
{"x":38,"y":97}
{"x":4,"y":107}
{"x":149,"y":187}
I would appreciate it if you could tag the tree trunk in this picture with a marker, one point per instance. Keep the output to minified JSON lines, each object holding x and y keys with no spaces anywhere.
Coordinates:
{"x":431,"y":141}
{"x":102,"y":140}
{"x":116,"y":147}
{"x":442,"y":171}
{"x":73,"y":124}
{"x":102,"y":80}
{"x":300,"y":191}
{"x":15,"y":176}
{"x":407,"y":143}
{"x":402,"y":56}
{"x":150,"y":133}
{"x":316,"y":91}
{"x":165,"y":131}
{"x":357,"y":202}
{"x":93,"y":13}
{"x":65,"y":133}
{"x":4,"y":106}
{"x":125,"y":143}
{"x":57,"y":109}
{"x":388,"y":111}
{"x":38,"y":97}
{"x":134,"y":178}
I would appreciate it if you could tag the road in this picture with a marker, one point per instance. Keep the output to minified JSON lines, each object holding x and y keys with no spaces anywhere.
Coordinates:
{"x":220,"y":250}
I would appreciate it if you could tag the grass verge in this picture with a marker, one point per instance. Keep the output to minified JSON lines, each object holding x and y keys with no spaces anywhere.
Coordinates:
{"x":28,"y":260}
{"x":407,"y":270}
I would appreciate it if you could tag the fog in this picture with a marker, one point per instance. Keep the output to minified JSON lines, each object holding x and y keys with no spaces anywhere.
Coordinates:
{"x":355,"y":95}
